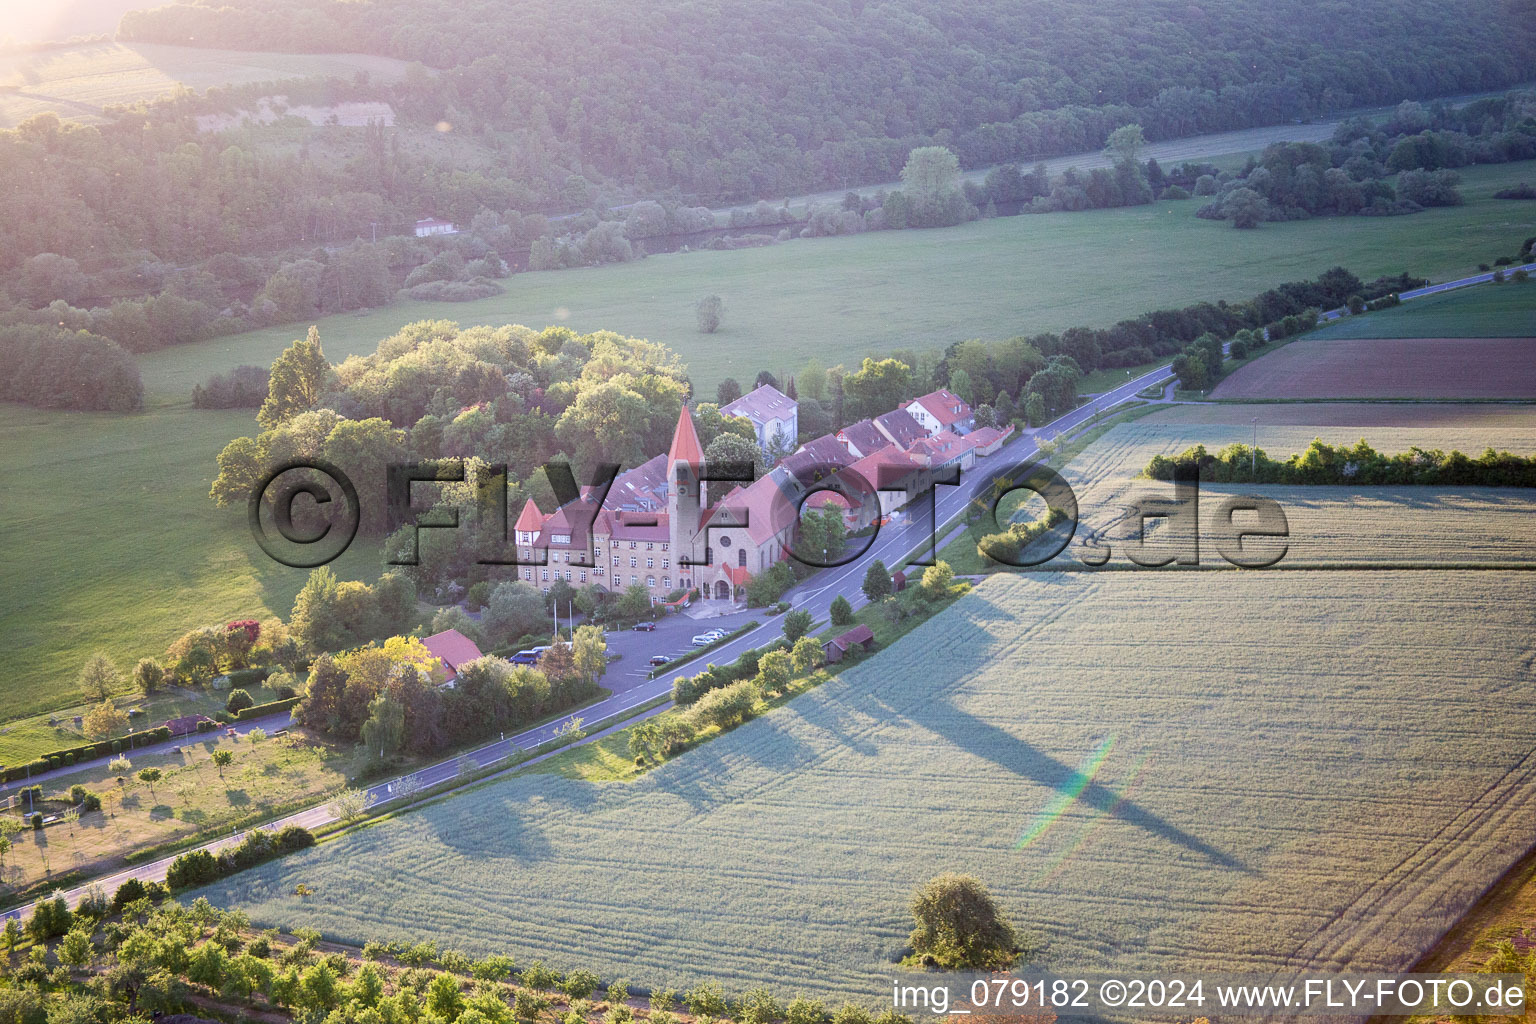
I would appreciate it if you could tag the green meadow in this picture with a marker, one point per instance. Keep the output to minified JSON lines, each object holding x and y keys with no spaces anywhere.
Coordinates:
{"x":840,"y":299}
{"x":111,"y":543}
{"x":1505,"y":310}
{"x":114,"y":545}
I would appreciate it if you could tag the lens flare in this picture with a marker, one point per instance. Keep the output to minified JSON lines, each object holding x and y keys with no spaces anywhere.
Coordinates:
{"x":1066,"y":794}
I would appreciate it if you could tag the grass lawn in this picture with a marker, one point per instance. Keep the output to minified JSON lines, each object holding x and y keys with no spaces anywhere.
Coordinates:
{"x":112,"y":544}
{"x":1150,"y":770}
{"x":1483,"y":311}
{"x":191,"y":797}
{"x":839,"y":299}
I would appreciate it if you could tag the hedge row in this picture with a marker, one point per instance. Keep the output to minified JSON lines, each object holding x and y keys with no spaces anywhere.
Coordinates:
{"x":200,"y":867}
{"x":272,"y":707}
{"x":85,"y":752}
{"x":688,"y":689}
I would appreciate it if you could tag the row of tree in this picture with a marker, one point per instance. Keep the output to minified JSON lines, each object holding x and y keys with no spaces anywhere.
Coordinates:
{"x":1359,"y":464}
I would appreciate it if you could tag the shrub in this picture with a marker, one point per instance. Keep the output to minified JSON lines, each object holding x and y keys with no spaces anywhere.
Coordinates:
{"x":842,"y":612}
{"x":537,"y":976}
{"x":708,"y":311}
{"x":198,"y":867}
{"x":758,"y":1006}
{"x":959,"y":927}
{"x":580,"y":984}
{"x":238,"y":701}
{"x":129,"y":892}
{"x":728,"y":706}
{"x":36,"y":821}
{"x":797,"y":624}
{"x":707,"y":1000}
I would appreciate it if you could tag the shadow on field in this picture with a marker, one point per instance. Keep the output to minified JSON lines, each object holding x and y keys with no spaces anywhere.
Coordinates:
{"x":938,"y":713}
{"x":967,"y":732}
{"x":488,"y":827}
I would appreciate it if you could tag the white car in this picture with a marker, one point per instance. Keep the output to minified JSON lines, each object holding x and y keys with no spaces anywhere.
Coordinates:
{"x":705,"y":639}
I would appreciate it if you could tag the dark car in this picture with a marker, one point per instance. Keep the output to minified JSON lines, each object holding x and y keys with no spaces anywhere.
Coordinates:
{"x":659,"y":659}
{"x":644,"y":627}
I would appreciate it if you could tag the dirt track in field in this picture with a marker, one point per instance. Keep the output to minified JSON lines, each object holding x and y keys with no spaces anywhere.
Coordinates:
{"x":1390,"y":368}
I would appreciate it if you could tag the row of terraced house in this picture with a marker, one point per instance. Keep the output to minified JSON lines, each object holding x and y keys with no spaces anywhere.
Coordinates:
{"x":662,"y":526}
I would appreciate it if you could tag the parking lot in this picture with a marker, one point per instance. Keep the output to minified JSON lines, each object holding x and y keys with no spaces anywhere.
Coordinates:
{"x":671,"y":637}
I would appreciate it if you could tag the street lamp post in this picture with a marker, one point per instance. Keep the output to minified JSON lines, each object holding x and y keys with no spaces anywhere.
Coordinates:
{"x":1254,"y":451}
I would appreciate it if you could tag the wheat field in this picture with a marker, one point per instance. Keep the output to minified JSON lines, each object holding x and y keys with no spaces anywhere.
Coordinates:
{"x":1202,"y":770}
{"x":1329,"y":526}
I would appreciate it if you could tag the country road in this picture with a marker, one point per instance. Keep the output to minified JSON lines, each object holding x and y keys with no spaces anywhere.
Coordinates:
{"x":891,"y":544}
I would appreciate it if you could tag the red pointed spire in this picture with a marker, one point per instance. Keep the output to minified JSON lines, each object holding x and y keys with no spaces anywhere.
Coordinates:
{"x":685,"y":443}
{"x":531,"y":520}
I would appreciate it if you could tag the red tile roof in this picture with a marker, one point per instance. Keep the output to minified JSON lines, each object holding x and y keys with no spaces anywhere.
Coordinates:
{"x":884,"y":468}
{"x":530,"y":520}
{"x":945,"y":446}
{"x":945,"y":406}
{"x":986,"y":437}
{"x":764,"y":506}
{"x":637,"y":526}
{"x":452,"y":648}
{"x":685,"y":444}
{"x":186,"y":724}
{"x":860,"y":634}
{"x":816,"y":459}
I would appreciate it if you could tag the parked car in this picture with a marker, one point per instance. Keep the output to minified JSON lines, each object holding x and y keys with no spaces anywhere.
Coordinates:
{"x":705,"y":639}
{"x":659,"y":659}
{"x":644,"y":627}
{"x":529,"y":657}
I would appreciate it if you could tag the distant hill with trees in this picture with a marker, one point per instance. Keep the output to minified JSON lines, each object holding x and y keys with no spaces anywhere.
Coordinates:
{"x":747,"y":99}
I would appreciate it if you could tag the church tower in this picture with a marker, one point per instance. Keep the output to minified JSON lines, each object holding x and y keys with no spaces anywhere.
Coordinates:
{"x":684,"y":496}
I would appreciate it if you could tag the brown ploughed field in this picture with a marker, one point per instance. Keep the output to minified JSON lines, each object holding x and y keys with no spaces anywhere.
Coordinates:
{"x":1390,"y":368}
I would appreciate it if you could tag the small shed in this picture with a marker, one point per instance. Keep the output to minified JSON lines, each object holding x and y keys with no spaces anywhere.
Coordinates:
{"x":859,"y":637}
{"x":899,"y":581}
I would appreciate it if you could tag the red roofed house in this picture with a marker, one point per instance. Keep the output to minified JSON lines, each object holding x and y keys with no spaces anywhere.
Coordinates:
{"x":892,"y":473}
{"x":453,"y":649}
{"x":943,"y":449}
{"x":988,"y":440}
{"x":942,"y":410}
{"x":860,"y":637}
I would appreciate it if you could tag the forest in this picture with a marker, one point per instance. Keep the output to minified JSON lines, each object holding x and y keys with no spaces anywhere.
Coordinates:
{"x":747,"y":100}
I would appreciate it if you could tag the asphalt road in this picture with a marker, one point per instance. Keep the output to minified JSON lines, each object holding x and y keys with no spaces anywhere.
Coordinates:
{"x":632,"y":687}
